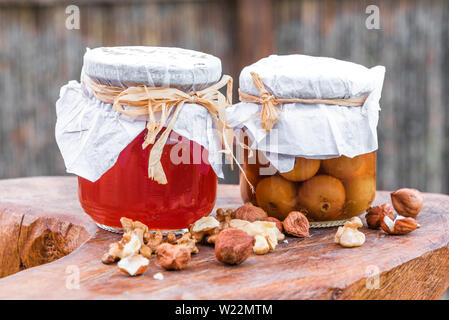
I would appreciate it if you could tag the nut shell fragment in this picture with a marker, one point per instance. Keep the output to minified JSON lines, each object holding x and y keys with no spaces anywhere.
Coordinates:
{"x":401,"y":225}
{"x":276,"y":221}
{"x":374,"y":215}
{"x":261,"y":245}
{"x":296,"y":224}
{"x":133,"y":265}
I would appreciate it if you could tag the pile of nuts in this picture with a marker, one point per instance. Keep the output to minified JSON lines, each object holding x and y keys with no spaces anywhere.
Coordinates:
{"x":248,"y":229}
{"x":137,"y":245}
{"x":237,"y":234}
{"x":407,"y":203}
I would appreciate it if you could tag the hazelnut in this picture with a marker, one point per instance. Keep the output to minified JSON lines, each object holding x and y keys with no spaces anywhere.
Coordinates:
{"x":407,"y":202}
{"x":374,"y":215}
{"x":296,"y":224}
{"x":249,"y":212}
{"x":398,"y":226}
{"x":276,"y":221}
{"x":173,"y":257}
{"x":233,"y":246}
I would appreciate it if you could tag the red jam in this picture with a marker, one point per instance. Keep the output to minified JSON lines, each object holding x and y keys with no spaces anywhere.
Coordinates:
{"x":126,"y":191}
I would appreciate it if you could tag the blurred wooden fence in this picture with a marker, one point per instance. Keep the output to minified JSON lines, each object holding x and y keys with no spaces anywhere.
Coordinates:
{"x":38,"y":55}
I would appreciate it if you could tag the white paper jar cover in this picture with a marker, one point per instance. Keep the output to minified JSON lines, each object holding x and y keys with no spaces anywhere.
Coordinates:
{"x":316,"y":131}
{"x":91,"y":135}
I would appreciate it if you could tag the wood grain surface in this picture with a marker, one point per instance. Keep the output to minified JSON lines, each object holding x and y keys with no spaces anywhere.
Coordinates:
{"x":41,"y":220}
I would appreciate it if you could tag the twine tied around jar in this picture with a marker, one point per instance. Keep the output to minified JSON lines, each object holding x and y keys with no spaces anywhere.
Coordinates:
{"x":146,"y":101}
{"x":270,"y":113}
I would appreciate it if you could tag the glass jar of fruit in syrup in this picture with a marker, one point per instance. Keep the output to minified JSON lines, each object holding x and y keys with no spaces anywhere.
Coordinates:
{"x":311,"y":125}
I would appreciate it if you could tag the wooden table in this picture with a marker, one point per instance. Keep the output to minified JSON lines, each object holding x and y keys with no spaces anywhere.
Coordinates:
{"x":41,"y":221}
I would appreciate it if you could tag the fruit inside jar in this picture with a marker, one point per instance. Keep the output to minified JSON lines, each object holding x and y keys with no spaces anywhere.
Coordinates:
{"x":126,"y":191}
{"x":326,"y":190}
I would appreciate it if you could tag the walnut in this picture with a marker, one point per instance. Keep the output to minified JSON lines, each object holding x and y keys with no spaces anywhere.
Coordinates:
{"x":189,"y":242}
{"x":130,"y":225}
{"x":375,"y":214}
{"x":129,"y":245}
{"x":133,"y":265}
{"x":153,"y":239}
{"x":223,"y":217}
{"x":132,"y":241}
{"x":146,"y":251}
{"x":348,"y":235}
{"x":233,"y":246}
{"x":173,"y":257}
{"x":171,"y":238}
{"x":114,"y":254}
{"x":296,"y":224}
{"x":203,"y":227}
{"x":249,"y":212}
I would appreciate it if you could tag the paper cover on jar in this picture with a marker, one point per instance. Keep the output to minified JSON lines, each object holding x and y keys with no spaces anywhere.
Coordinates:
{"x":316,"y":131}
{"x":91,"y":135}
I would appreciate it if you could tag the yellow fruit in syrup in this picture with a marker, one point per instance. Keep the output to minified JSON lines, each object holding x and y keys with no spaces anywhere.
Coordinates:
{"x":276,"y":196}
{"x":304,"y":169}
{"x":323,"y":197}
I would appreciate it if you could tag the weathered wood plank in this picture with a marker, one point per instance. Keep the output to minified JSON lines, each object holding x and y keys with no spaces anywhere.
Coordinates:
{"x":413,"y":266}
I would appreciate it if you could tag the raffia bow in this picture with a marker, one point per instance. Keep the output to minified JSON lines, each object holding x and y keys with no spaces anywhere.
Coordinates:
{"x":270,"y":113}
{"x":147,"y":101}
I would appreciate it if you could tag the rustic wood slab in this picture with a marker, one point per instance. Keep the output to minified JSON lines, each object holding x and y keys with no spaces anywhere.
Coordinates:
{"x":41,"y":221}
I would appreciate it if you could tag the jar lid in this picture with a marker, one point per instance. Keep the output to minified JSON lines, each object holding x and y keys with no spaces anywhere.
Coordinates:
{"x":301,"y":76}
{"x":155,"y":66}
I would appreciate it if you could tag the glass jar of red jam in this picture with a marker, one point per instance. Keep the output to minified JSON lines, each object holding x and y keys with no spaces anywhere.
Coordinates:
{"x":105,"y":147}
{"x":126,"y":191}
